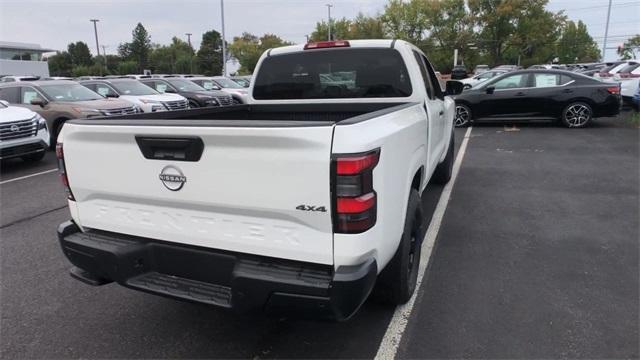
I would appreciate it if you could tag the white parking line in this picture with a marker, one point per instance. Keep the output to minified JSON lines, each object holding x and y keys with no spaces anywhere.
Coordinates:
{"x":391,"y":340}
{"x":28,"y":176}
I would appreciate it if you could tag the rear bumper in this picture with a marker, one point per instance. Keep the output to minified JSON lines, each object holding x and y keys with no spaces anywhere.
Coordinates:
{"x":10,"y":150}
{"x":242,"y":282}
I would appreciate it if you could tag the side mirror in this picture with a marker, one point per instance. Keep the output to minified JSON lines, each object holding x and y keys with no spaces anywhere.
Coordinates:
{"x":4,"y":102}
{"x":111,"y":95}
{"x":454,"y":88}
{"x":38,"y":101}
{"x":490,"y":89}
{"x":169,"y":90}
{"x":216,"y":87}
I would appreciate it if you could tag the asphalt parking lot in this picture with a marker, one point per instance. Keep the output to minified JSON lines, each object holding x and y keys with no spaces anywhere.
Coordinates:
{"x":537,"y":257}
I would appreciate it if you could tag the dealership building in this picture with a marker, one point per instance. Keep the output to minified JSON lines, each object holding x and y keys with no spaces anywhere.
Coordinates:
{"x":23,"y":59}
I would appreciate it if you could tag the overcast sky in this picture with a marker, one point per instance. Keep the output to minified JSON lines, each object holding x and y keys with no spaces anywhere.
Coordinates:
{"x":53,"y":24}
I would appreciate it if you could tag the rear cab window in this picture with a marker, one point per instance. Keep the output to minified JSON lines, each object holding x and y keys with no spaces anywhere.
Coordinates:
{"x":333,"y":74}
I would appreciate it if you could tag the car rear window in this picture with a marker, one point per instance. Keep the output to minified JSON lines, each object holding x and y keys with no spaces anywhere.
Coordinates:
{"x":629,"y":68}
{"x":333,"y":74}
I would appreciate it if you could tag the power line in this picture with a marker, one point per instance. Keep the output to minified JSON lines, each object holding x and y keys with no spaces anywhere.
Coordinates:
{"x":603,"y":6}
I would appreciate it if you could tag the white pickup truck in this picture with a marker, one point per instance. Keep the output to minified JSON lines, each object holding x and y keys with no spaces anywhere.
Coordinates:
{"x":304,"y":199}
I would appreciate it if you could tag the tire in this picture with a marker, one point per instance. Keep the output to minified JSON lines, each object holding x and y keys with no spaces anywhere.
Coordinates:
{"x":33,"y":157}
{"x":397,"y":282}
{"x":193,"y":104}
{"x":442,"y":175}
{"x":463,"y":116}
{"x":576,"y":115}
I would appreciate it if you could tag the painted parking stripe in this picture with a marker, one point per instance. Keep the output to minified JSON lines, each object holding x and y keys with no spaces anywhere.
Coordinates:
{"x":28,"y":176}
{"x":391,"y":340}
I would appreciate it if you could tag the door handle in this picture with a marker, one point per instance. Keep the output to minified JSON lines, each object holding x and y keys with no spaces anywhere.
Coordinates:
{"x":520,"y":94}
{"x":568,"y":91}
{"x":171,"y":148}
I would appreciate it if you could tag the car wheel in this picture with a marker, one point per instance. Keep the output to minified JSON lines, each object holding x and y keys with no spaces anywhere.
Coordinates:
{"x":577,"y":115}
{"x":463,"y":115}
{"x":442,"y":175}
{"x":397,"y":282}
{"x":33,"y":157}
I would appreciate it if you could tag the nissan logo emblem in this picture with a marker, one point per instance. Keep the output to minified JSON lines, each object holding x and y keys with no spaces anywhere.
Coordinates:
{"x":172,"y":178}
{"x":15,"y":128}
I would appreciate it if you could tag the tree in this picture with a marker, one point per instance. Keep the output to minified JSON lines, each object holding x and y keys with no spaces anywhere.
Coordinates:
{"x":510,"y":29}
{"x":362,"y":27}
{"x":209,"y":57}
{"x":628,"y":49}
{"x":576,"y":45}
{"x":248,"y":48}
{"x":175,"y":58}
{"x":60,"y":64}
{"x":405,"y":20}
{"x":138,"y":49}
{"x":80,"y":54}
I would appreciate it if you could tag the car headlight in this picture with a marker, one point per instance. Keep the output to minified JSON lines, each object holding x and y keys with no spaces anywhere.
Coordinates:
{"x":42,"y":123}
{"x":147,"y":101}
{"x":87,"y":112}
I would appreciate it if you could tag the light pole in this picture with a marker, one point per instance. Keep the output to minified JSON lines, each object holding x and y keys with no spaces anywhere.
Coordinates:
{"x":190,"y":57}
{"x":104,"y":55}
{"x":329,"y":6}
{"x":224,"y":44}
{"x":606,"y":31}
{"x":95,"y":30}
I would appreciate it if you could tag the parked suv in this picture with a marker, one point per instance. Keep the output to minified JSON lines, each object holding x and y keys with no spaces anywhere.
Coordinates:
{"x":60,"y":100}
{"x":137,"y":93}
{"x":195,"y":94}
{"x":237,"y":91}
{"x":23,"y":133}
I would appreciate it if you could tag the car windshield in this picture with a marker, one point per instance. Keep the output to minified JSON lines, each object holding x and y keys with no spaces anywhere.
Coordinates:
{"x":133,"y":88}
{"x":185,"y":85}
{"x":209,"y":85}
{"x":228,"y":84}
{"x":332,"y":74}
{"x":69,"y":92}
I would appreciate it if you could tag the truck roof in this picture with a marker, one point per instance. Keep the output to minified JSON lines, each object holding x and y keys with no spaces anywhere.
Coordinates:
{"x":375,"y":43}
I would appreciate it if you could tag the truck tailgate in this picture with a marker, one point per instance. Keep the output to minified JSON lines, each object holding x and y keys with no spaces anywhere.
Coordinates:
{"x":241,"y":195}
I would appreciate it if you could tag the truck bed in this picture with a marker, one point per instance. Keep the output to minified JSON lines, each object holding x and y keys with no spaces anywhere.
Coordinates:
{"x":258,"y":115}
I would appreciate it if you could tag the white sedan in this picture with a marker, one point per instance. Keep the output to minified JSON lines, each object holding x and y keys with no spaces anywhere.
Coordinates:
{"x":473,"y":81}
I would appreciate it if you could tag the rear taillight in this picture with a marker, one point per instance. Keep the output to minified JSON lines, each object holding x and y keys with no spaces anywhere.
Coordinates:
{"x":355,"y":202}
{"x":326,"y":44}
{"x":614,"y":89}
{"x":62,"y":170}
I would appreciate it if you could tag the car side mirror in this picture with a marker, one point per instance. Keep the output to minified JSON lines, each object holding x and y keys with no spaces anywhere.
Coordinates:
{"x":216,"y":87}
{"x":4,"y":102}
{"x":490,"y":89}
{"x":39,"y":102}
{"x":169,"y":90}
{"x":111,"y":95}
{"x":454,"y":88}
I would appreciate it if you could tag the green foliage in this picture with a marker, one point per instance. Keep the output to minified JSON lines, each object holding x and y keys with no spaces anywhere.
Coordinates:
{"x":576,"y":45}
{"x":178,"y":57}
{"x":248,"y":48}
{"x":87,"y":70}
{"x":629,"y":48}
{"x":128,"y":67}
{"x":80,"y":54}
{"x":209,"y":57}
{"x":362,"y":27}
{"x":138,"y":49}
{"x":60,"y":64}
